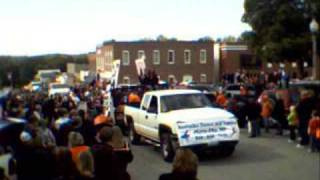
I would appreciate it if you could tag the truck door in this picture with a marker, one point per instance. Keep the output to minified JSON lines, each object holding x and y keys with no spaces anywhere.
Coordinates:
{"x":140,"y":120}
{"x":151,"y":118}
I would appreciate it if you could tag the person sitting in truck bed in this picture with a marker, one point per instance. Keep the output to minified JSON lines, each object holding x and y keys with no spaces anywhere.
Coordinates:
{"x":134,"y":99}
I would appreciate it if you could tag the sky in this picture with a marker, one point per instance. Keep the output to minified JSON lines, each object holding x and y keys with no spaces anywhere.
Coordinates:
{"x":34,"y":27}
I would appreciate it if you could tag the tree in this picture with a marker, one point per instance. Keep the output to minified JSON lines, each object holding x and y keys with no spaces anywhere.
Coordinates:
{"x":24,"y":68}
{"x":173,"y":39}
{"x":162,"y":38}
{"x":205,"y":39}
{"x":229,"y":39}
{"x":280,"y":28}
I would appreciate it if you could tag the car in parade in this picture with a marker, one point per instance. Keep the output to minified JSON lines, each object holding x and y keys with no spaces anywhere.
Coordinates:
{"x":182,"y":118}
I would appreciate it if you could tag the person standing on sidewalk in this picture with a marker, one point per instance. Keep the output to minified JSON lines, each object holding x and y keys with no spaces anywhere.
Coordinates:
{"x":314,"y":131}
{"x":266,"y":112}
{"x":292,"y":122}
{"x":278,"y":114}
{"x":253,"y":114}
{"x":304,"y":109}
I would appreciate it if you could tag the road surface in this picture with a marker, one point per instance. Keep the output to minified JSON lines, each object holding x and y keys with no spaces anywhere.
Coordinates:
{"x":269,"y":157}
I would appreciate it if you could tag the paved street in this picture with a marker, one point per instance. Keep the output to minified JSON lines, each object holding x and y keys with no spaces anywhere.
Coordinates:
{"x":269,"y":157}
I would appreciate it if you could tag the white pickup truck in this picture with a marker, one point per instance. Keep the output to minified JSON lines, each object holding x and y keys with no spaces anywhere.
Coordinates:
{"x":182,"y":118}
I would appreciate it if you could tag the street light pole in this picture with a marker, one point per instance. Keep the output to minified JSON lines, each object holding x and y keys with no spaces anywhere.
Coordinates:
{"x":315,"y":72}
{"x":314,"y":28}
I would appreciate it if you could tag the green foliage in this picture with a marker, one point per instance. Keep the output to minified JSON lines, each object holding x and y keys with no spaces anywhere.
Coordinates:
{"x":229,"y":39}
{"x":280,"y":28}
{"x":24,"y":68}
{"x":205,"y":39}
{"x":162,"y":38}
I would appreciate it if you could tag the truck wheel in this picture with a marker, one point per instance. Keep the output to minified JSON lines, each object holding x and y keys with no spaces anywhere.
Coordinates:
{"x":133,"y":136}
{"x":227,"y":151}
{"x":167,"y":150}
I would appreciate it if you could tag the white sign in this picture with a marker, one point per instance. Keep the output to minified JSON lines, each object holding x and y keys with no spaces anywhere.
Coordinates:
{"x":115,"y":72}
{"x":205,"y":132}
{"x":140,"y":65}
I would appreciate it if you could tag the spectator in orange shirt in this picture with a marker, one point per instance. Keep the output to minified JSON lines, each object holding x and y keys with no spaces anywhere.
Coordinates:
{"x":266,"y":112}
{"x":221,"y":99}
{"x":314,"y":131}
{"x":76,"y":145}
{"x":102,"y":119}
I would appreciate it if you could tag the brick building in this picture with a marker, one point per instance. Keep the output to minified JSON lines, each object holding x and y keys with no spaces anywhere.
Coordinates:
{"x":180,"y":60}
{"x":237,"y":56}
{"x":202,"y":62}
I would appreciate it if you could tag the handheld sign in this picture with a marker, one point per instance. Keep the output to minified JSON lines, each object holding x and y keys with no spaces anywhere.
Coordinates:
{"x":115,"y":72}
{"x":141,"y":65}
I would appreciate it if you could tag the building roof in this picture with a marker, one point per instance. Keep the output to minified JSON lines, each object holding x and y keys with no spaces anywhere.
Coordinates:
{"x":156,"y":42}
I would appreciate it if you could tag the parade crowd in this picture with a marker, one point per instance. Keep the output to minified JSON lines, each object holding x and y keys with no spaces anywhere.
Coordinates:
{"x":303,"y":116}
{"x":68,"y":137}
{"x":74,"y":137}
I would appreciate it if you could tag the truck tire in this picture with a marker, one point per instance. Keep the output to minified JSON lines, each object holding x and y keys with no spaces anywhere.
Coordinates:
{"x":133,"y":136}
{"x":227,"y":151}
{"x":167,"y":150}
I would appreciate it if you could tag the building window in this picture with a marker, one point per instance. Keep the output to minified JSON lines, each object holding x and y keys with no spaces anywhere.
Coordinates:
{"x":171,"y":57}
{"x":187,"y":78}
{"x":203,"y":78}
{"x":187,"y":56}
{"x":125,"y":58}
{"x":305,"y":64}
{"x":203,"y":56}
{"x":156,"y":57}
{"x":141,"y":54}
{"x":282,"y":65}
{"x":269,"y":65}
{"x":126,"y":80}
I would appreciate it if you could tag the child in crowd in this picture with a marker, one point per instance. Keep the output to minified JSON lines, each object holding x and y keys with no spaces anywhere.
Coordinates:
{"x":314,"y":131}
{"x":292,"y":122}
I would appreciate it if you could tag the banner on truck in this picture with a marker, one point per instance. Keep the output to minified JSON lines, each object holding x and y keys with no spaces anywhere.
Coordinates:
{"x":205,"y":132}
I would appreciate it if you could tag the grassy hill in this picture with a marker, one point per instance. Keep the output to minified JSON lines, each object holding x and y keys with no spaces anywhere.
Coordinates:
{"x":23,"y":68}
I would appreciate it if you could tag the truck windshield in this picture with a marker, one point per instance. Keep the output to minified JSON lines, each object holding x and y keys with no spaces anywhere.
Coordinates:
{"x":183,"y":101}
